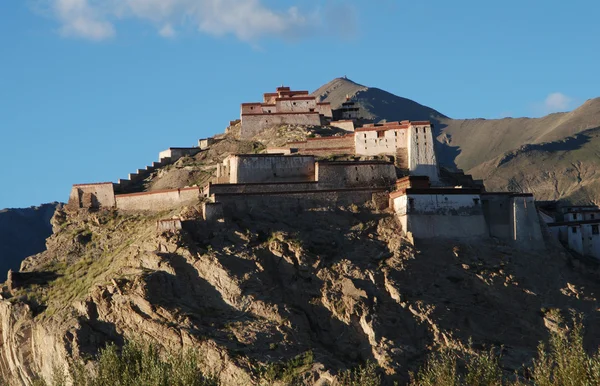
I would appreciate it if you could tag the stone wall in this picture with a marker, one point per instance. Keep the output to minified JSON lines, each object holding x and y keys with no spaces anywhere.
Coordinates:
{"x":527,"y":232}
{"x":347,"y":125}
{"x":346,"y":141}
{"x":295,"y":105}
{"x":325,"y":109}
{"x":212,"y":211}
{"x":575,"y":238}
{"x":252,"y":124}
{"x":351,"y":174}
{"x":95,"y":196}
{"x":251,"y":168}
{"x":159,"y":200}
{"x":288,"y":202}
{"x":384,"y":139}
{"x":446,"y":214}
{"x":421,"y":154}
{"x":177,"y":152}
{"x":497,"y":210}
{"x":211,"y":189}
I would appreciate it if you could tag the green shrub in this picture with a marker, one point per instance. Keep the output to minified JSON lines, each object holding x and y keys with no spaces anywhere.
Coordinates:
{"x":360,"y":376}
{"x":136,"y":364}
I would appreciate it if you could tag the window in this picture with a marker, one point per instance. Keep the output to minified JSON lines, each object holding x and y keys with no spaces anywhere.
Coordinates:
{"x":365,"y":134}
{"x":573,"y":229}
{"x":380,"y":134}
{"x":476,"y":201}
{"x":592,"y":216}
{"x":294,"y":103}
{"x":411,"y":204}
{"x":595,"y":230}
{"x":395,"y":133}
{"x":251,"y":107}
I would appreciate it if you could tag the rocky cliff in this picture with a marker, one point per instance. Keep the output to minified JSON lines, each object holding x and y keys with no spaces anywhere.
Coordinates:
{"x":263,"y":288}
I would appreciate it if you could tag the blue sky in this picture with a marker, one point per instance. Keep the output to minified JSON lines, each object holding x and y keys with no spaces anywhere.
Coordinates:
{"x":92,"y":90}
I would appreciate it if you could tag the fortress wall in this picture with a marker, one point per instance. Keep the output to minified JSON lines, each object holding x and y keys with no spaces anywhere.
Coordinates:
{"x":440,"y":215}
{"x":295,"y":105}
{"x":271,"y":168}
{"x":160,"y":200}
{"x":575,"y":238}
{"x":177,"y":152}
{"x":497,"y":212}
{"x":212,"y":211}
{"x":325,"y":109}
{"x":326,"y":152}
{"x":526,"y":225}
{"x":344,"y":125}
{"x":591,"y":241}
{"x":98,"y":195}
{"x":350,"y":174}
{"x":259,"y":188}
{"x":254,"y":124}
{"x":421,"y":154}
{"x":371,"y":143}
{"x":294,"y":200}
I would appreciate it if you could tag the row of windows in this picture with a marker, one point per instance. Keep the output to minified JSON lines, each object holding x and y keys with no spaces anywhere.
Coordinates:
{"x":595,"y":229}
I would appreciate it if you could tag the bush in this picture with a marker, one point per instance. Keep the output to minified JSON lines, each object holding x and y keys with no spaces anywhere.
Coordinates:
{"x":360,"y":376}
{"x":137,"y":364}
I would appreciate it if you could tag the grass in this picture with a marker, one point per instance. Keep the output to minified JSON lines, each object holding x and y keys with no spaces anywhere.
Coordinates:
{"x":135,"y":364}
{"x":564,"y":363}
{"x":287,"y":372}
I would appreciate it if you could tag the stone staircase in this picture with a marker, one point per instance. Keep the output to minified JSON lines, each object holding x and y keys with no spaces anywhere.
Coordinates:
{"x":130,"y":184}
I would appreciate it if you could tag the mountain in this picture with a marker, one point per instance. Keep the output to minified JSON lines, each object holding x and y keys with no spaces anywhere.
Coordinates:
{"x":23,"y":233}
{"x":553,"y":156}
{"x":374,"y":104}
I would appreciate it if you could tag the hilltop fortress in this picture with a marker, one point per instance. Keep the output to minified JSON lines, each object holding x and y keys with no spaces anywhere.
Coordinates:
{"x":388,"y":166}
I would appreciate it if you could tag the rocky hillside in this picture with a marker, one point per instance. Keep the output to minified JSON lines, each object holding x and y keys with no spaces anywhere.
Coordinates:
{"x":23,"y":232}
{"x":253,"y":293}
{"x":477,"y":145}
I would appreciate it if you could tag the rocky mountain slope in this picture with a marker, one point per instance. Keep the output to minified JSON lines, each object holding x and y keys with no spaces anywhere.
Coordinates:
{"x":23,"y":232}
{"x":336,"y":287}
{"x":475,"y":145}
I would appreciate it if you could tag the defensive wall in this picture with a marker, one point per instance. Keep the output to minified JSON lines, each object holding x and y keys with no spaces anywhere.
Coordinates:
{"x":526,"y":224}
{"x":212,"y":189}
{"x":295,"y":200}
{"x":95,"y":196}
{"x":347,"y":125}
{"x":178,"y":152}
{"x":376,"y":139}
{"x":324,"y":142}
{"x":244,"y":168}
{"x":159,"y":200}
{"x":435,"y":212}
{"x":253,"y":124}
{"x":352,"y":174}
{"x":421,"y":154}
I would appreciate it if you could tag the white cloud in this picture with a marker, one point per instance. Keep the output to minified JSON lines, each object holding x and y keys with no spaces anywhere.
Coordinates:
{"x":248,"y":20}
{"x":554,"y":103}
{"x":557,"y":102}
{"x":81,"y":20}
{"x":167,"y":31}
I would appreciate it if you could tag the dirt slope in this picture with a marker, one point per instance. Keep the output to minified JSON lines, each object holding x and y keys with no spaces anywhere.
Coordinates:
{"x":263,"y":288}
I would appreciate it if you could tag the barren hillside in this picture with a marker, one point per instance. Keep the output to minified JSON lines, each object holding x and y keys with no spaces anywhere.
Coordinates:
{"x":336,"y":287}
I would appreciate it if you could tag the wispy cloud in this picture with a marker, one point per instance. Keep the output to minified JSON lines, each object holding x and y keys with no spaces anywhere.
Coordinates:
{"x":554,"y":102}
{"x":248,"y":20}
{"x":78,"y":18}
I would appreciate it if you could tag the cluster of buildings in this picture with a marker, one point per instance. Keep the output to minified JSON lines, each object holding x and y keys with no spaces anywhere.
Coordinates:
{"x":577,"y":227}
{"x":299,"y":177}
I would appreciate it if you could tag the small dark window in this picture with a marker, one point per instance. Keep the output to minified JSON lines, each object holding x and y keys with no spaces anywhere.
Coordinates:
{"x":476,"y":201}
{"x":380,"y":134}
{"x":251,"y":108}
{"x":411,"y":203}
{"x":573,"y":230}
{"x":365,"y":135}
{"x":294,"y":103}
{"x":592,"y":216}
{"x":595,"y":230}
